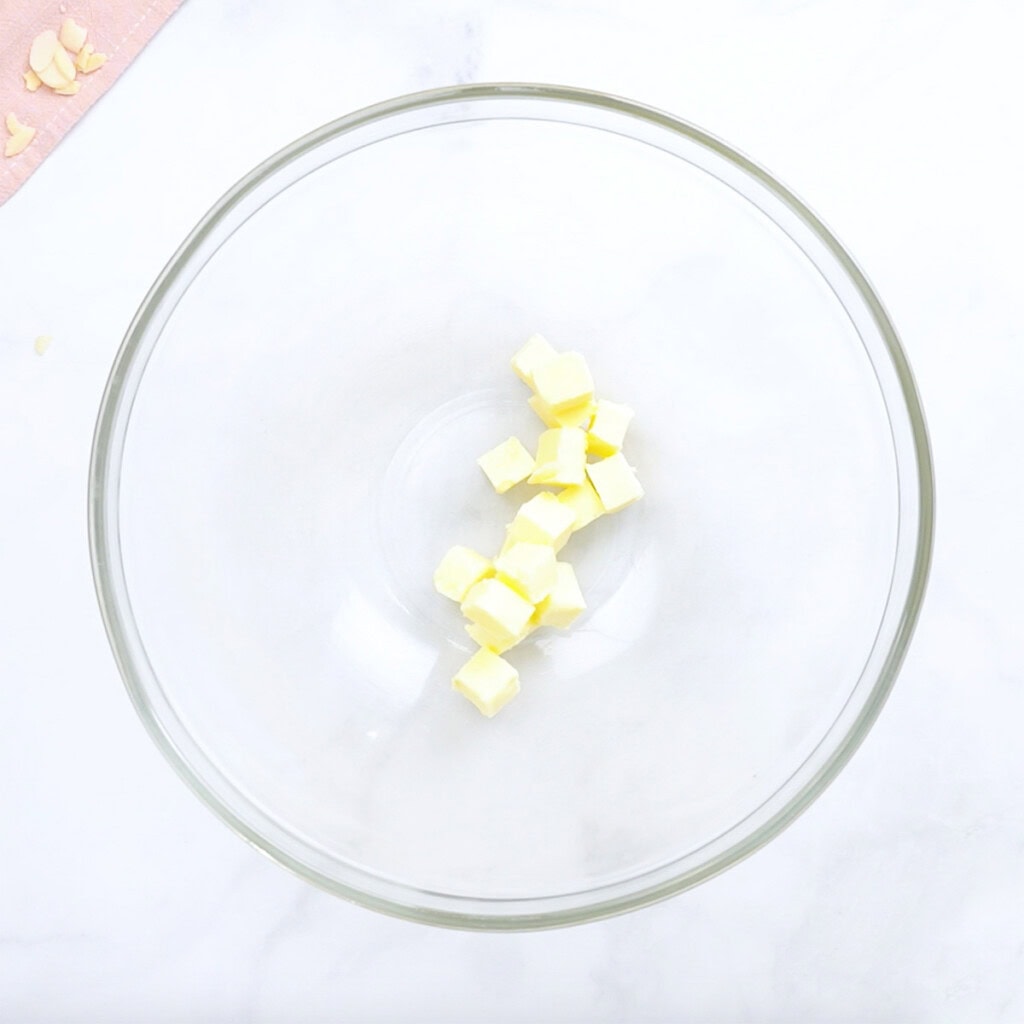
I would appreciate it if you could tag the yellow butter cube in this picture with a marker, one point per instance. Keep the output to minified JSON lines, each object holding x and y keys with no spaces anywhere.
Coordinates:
{"x":533,"y":354}
{"x":488,"y":681}
{"x":561,"y":457}
{"x":584,"y":502}
{"x":608,"y":429}
{"x":565,"y":602}
{"x":497,"y":608}
{"x":564,"y":381}
{"x":507,"y":465}
{"x":482,"y":638}
{"x":615,"y":482}
{"x":575,"y":416}
{"x":529,"y":569}
{"x":459,"y":570}
{"x":542,"y":520}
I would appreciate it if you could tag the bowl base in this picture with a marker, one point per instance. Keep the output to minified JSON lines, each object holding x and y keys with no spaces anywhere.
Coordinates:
{"x":433,"y":495}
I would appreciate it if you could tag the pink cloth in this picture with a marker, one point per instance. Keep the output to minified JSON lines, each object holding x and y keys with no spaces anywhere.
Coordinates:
{"x":118,"y":28}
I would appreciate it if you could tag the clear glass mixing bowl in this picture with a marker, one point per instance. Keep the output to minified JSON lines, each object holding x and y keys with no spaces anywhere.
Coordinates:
{"x":286,"y":447}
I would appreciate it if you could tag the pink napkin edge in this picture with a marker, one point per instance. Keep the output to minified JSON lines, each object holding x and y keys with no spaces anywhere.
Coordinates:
{"x":15,"y":171}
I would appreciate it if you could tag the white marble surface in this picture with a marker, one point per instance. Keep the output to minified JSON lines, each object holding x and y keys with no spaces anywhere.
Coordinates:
{"x":896,"y":898}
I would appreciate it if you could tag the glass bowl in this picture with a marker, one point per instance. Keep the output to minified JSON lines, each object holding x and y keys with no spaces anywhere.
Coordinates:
{"x":287,"y":445}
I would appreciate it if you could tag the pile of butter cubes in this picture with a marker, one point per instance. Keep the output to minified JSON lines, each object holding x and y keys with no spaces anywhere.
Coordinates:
{"x":526,"y":586}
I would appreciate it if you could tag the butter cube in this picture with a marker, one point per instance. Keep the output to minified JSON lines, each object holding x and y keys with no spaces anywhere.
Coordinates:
{"x":482,"y":638}
{"x":497,"y":608}
{"x":507,"y":465}
{"x":488,"y":681}
{"x":529,"y":569}
{"x":576,"y":416}
{"x":565,"y":603}
{"x":533,"y":354}
{"x":584,"y":502}
{"x":561,"y":457}
{"x":615,"y":482}
{"x":564,"y":381}
{"x":608,"y":429}
{"x":542,"y":520}
{"x":459,"y":570}
{"x":509,"y":540}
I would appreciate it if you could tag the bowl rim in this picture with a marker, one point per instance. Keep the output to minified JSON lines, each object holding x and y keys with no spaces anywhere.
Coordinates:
{"x":99,"y":500}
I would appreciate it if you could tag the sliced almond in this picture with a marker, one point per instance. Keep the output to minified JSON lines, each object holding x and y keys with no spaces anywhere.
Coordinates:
{"x":32,"y":80}
{"x":72,"y":36}
{"x":94,"y":63}
{"x":83,"y":56}
{"x":21,"y":135}
{"x":71,"y":89}
{"x":53,"y":78}
{"x":43,"y":47}
{"x":64,"y":64}
{"x":17,"y":143}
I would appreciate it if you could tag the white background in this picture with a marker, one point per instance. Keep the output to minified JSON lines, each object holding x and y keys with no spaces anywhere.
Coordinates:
{"x":897,"y":897}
